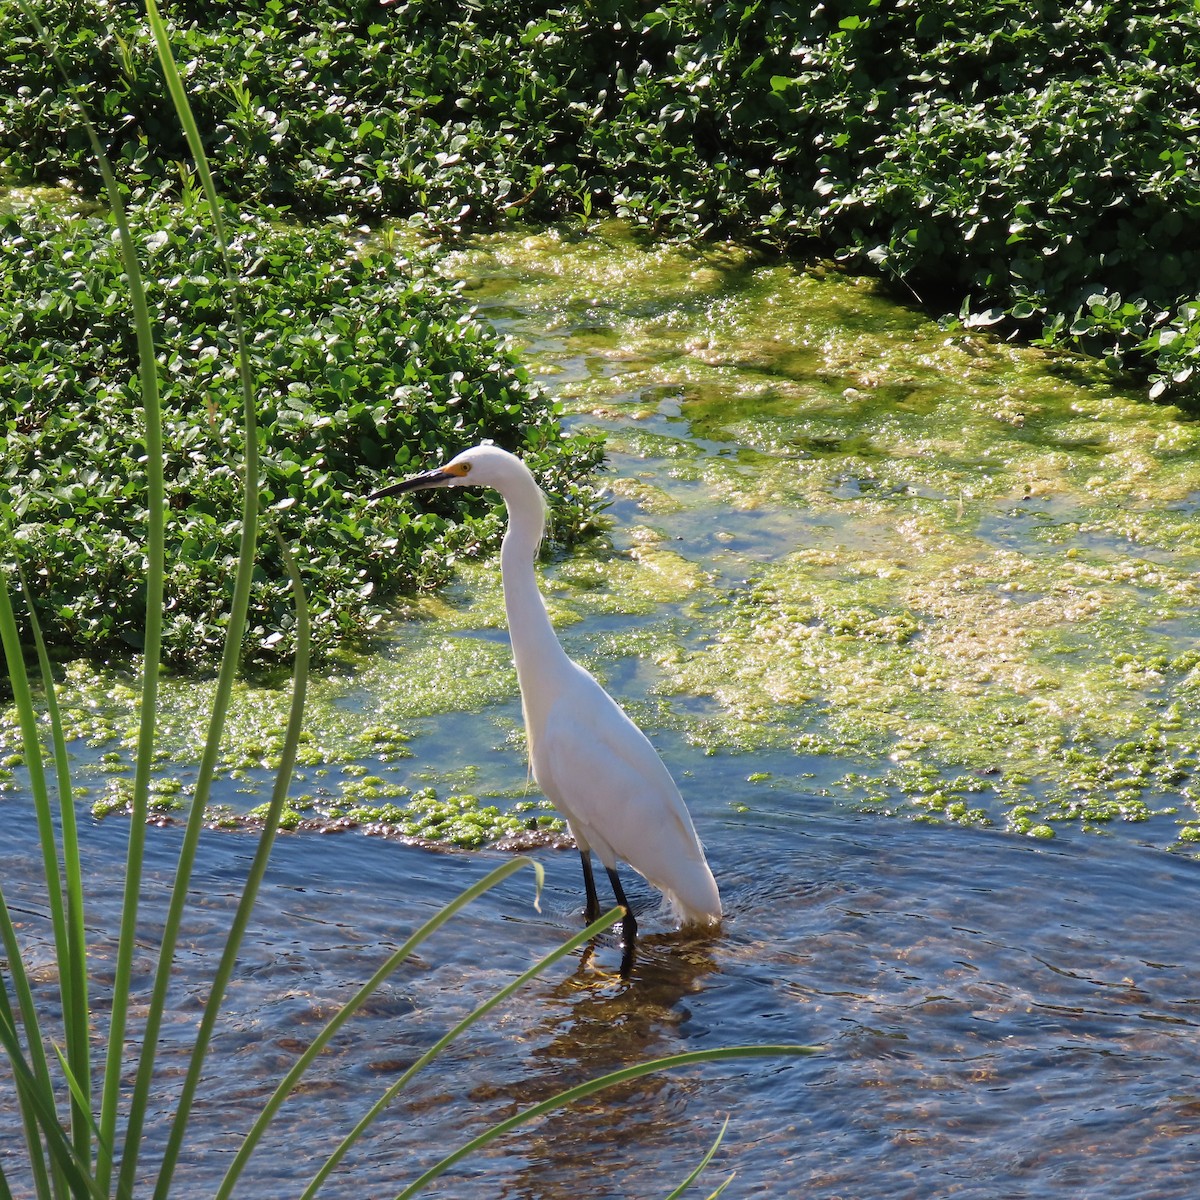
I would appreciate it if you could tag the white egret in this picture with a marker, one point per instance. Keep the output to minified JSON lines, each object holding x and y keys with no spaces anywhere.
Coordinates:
{"x":592,"y":762}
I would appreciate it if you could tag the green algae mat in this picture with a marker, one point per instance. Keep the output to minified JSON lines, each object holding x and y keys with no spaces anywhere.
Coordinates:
{"x":876,"y":558}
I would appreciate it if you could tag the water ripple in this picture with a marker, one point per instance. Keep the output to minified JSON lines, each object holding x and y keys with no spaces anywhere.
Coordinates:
{"x":997,"y":1017}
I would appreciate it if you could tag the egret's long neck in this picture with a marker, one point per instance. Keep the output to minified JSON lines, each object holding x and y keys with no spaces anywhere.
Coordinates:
{"x":529,"y":628}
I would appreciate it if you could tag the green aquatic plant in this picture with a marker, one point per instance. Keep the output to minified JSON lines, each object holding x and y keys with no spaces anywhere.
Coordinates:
{"x":94,"y":1149}
{"x":363,"y":361}
{"x":1031,"y":172}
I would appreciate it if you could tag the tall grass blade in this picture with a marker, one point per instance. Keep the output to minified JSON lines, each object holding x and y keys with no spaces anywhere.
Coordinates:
{"x":584,"y":935}
{"x":231,"y":654}
{"x":187,"y":119}
{"x":29,"y":1079}
{"x":699,"y":1167}
{"x":84,"y":1102}
{"x":71,"y":1174}
{"x":31,"y":741}
{"x":293,"y":1077}
{"x":258,"y":868}
{"x":73,"y":970}
{"x":155,"y":555}
{"x":721,"y":1189}
{"x":583,"y":1090}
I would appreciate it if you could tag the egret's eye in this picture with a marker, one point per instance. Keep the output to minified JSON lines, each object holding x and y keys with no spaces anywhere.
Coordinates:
{"x":463,"y":468}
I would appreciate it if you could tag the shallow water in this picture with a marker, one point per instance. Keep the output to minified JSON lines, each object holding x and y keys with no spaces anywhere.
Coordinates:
{"x":999,"y":1015}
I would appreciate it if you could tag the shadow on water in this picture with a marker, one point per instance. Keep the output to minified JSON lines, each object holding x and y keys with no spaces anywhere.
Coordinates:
{"x":998,"y":1017}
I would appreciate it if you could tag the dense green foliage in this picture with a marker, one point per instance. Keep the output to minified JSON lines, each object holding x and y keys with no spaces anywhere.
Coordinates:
{"x":1032,"y":168}
{"x":364,"y":363}
{"x":1034,"y":164}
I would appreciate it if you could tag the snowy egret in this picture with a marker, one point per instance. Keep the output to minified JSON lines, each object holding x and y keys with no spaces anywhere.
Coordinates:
{"x":591,"y":761}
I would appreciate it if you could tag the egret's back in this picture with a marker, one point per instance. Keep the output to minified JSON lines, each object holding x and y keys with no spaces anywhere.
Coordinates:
{"x":599,"y":769}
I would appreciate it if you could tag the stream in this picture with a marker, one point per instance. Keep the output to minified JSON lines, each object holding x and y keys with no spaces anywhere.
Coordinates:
{"x":910,"y":615}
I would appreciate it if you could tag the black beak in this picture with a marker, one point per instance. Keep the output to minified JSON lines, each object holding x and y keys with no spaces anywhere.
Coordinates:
{"x":438,"y":477}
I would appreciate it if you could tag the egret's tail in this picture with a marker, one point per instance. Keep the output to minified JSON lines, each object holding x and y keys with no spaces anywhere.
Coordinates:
{"x":695,"y":899}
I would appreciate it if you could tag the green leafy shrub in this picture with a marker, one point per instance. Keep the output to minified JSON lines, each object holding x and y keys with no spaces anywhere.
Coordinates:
{"x":366,"y":367}
{"x":1012,"y":160}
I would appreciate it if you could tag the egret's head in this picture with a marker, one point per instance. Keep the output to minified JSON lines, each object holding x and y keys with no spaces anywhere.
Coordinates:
{"x":481,"y":466}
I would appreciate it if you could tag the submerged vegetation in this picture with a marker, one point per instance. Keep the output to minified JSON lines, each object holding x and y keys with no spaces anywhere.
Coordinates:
{"x":964,"y":570}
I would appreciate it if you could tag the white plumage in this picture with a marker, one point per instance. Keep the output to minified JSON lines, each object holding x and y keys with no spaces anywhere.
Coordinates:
{"x":592,"y":762}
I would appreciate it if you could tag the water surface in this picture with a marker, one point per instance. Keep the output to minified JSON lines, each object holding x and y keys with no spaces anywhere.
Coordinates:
{"x":889,"y":599}
{"x":999,"y":1016}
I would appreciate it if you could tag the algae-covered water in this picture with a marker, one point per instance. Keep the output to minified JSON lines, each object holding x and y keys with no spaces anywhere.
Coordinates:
{"x":910,"y":614}
{"x":906,"y":568}
{"x":964,"y":571}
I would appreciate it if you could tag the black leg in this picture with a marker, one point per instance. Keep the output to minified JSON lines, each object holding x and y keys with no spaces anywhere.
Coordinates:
{"x":628,"y":924}
{"x":592,"y":908}
{"x":628,"y":953}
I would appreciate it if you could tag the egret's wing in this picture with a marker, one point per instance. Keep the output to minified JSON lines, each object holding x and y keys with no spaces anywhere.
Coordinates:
{"x":601,"y":771}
